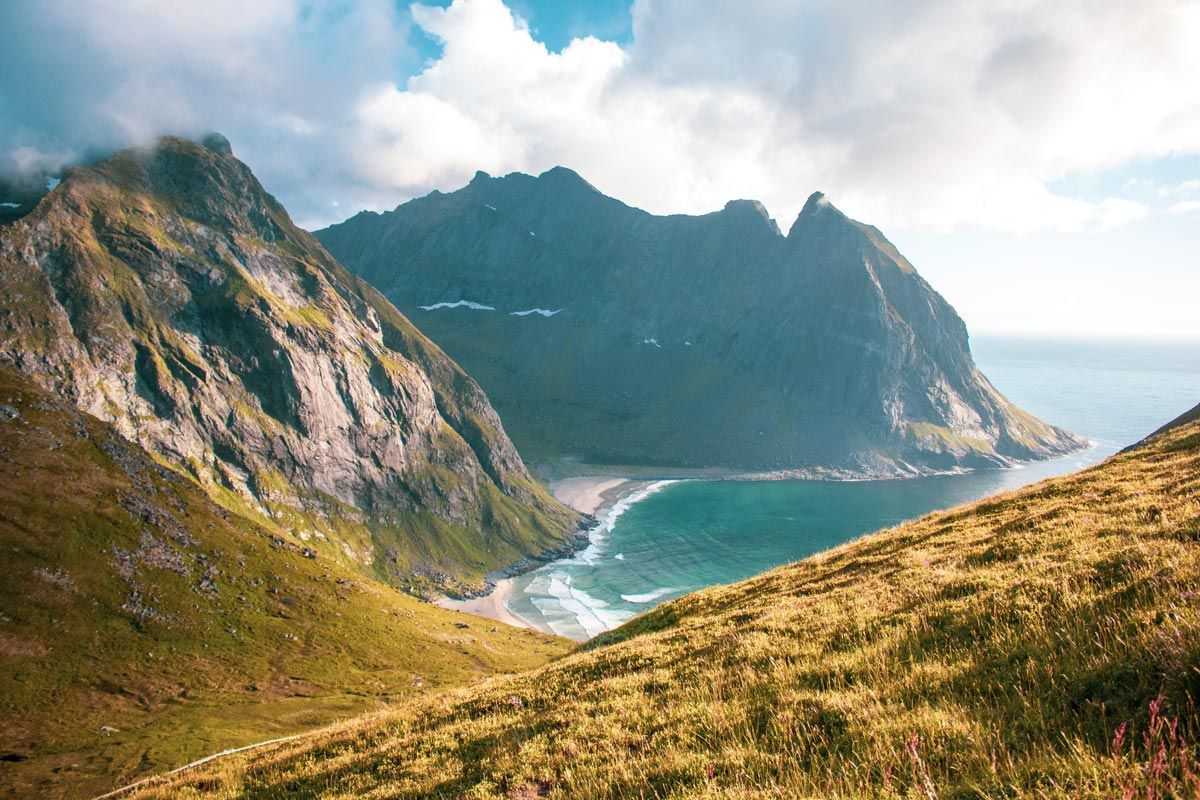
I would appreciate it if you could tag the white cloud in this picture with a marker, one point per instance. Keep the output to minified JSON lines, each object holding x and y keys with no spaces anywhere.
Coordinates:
{"x":1113,"y":212}
{"x":1181,"y":188}
{"x":930,"y":114}
{"x":280,"y":77}
{"x":1185,"y":207}
{"x":933,"y":114}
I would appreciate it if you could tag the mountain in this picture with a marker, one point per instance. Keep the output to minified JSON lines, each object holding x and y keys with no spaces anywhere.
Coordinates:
{"x":1039,"y":644}
{"x":1183,"y":419}
{"x":19,"y":194}
{"x":165,"y":291}
{"x":142,"y":625}
{"x":606,"y":334}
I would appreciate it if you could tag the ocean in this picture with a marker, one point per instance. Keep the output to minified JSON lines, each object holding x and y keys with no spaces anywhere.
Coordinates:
{"x":674,"y":537}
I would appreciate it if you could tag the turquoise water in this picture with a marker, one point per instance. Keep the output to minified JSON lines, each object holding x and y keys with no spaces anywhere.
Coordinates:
{"x":676,"y":537}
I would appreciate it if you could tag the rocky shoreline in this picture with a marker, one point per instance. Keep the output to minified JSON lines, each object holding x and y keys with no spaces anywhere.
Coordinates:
{"x":579,"y":540}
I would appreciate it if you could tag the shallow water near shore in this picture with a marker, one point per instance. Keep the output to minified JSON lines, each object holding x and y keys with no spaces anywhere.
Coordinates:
{"x":668,"y":538}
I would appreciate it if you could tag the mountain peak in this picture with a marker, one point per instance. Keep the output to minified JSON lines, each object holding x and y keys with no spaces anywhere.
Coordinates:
{"x":232,"y":351}
{"x":749,"y":205}
{"x":751,"y":209}
{"x":217,"y":143}
{"x":565,"y":176}
{"x":817,"y":207}
{"x":815,"y":203}
{"x":559,"y":171}
{"x":202,"y":180}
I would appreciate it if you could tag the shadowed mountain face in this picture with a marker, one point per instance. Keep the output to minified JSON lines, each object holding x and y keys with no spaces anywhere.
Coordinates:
{"x":166,"y":292}
{"x":608,"y":334}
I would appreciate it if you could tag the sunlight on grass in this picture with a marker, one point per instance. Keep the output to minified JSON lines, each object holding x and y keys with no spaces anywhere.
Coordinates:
{"x":1043,"y":643}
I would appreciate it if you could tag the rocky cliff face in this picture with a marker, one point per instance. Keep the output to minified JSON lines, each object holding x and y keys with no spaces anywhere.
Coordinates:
{"x":143,"y":626}
{"x":166,"y":292}
{"x":605,"y":333}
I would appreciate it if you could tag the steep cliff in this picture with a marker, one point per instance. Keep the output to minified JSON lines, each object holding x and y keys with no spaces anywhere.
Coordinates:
{"x":165,"y":291}
{"x":606,"y":333}
{"x":143,"y":626}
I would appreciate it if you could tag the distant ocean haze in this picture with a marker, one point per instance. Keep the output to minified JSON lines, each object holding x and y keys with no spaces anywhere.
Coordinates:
{"x":689,"y":534}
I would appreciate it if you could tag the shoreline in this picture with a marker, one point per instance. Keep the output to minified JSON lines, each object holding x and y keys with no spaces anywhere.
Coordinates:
{"x":566,"y":470}
{"x":589,"y":495}
{"x":595,"y":495}
{"x":493,"y":605}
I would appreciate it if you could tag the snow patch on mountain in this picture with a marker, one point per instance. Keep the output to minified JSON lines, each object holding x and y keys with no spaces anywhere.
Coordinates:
{"x":458,"y":304}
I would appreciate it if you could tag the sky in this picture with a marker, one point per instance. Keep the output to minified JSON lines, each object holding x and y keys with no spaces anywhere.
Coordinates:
{"x":1037,"y":160}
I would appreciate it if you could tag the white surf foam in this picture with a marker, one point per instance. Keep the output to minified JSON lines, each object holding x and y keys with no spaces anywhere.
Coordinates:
{"x":598,"y":542}
{"x":648,"y":597}
{"x":542,"y":312}
{"x":565,"y":608}
{"x":458,"y":304}
{"x":619,"y":557}
{"x":653,"y":342}
{"x":10,"y":205}
{"x":591,"y":614}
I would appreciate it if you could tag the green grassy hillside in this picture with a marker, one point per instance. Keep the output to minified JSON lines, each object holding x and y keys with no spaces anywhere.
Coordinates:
{"x":142,"y":625}
{"x":163,"y":290}
{"x":1040,"y":644}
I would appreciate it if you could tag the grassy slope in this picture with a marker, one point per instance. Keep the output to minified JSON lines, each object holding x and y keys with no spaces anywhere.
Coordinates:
{"x":128,"y":599}
{"x":126,"y":230}
{"x":991,"y":650}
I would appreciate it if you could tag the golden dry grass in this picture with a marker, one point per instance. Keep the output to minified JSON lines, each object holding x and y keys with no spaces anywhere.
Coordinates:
{"x":142,"y":626}
{"x":1038,"y":644}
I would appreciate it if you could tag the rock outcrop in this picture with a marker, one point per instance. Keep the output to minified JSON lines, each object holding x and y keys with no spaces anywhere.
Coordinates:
{"x":165,"y":291}
{"x":143,"y":626}
{"x":607,"y":334}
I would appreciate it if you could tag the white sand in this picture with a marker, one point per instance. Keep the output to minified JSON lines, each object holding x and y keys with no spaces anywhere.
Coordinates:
{"x":493,"y":605}
{"x":587,"y":494}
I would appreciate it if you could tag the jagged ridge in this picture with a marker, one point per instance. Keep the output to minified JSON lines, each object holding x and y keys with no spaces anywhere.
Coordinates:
{"x":692,"y":341}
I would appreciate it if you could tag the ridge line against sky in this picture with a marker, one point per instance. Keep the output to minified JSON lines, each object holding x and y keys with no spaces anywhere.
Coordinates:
{"x":1038,"y":161}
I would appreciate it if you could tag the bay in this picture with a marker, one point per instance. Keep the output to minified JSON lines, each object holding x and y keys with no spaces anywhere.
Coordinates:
{"x":676,"y":537}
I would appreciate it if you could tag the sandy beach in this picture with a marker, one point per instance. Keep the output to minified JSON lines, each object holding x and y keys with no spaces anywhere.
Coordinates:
{"x":588,"y":495}
{"x":493,"y":605}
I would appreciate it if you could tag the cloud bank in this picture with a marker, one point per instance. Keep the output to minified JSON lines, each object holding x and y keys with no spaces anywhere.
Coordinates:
{"x":926,"y":114}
